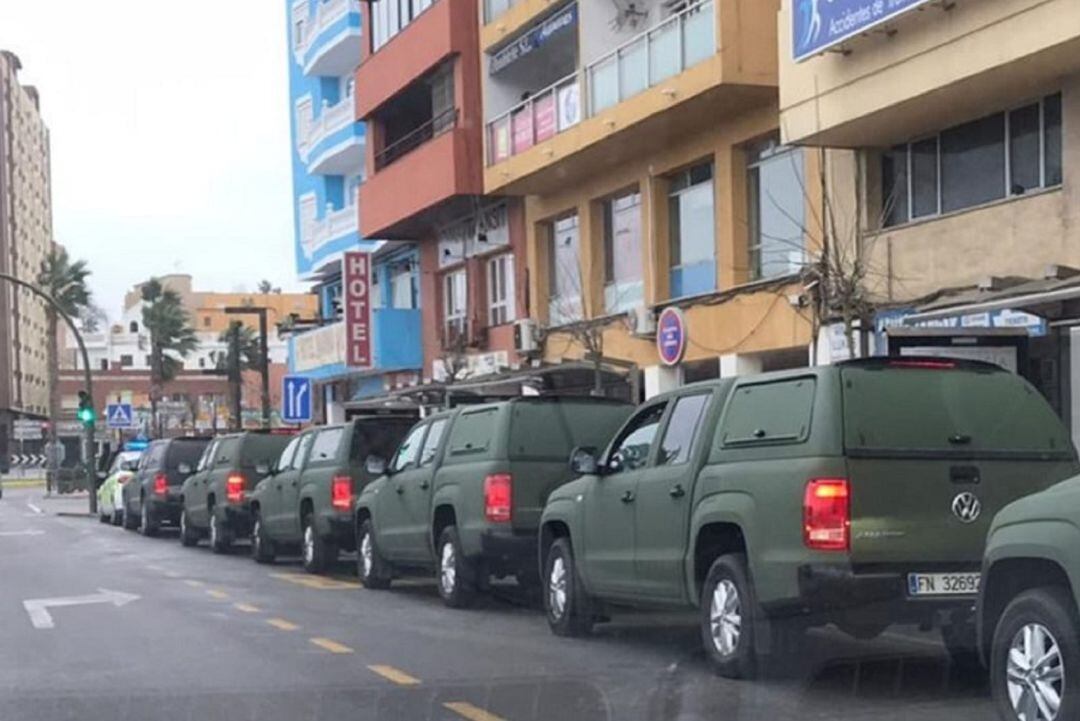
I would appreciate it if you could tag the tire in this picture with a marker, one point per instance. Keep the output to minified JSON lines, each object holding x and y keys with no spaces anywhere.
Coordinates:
{"x":728,"y":617}
{"x":104,"y":518}
{"x":117,"y":517}
{"x":220,"y":538}
{"x":316,"y":551}
{"x":262,"y":546}
{"x":566,"y":605}
{"x":1051,"y":611}
{"x":148,"y":525}
{"x":188,"y":536}
{"x":129,"y":521}
{"x":456,"y":577}
{"x":374,"y":572}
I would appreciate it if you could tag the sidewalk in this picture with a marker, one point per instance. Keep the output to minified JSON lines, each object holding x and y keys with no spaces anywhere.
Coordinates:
{"x":69,"y":504}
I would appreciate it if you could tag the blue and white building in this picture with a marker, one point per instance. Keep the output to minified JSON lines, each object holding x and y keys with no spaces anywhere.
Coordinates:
{"x":327,"y":152}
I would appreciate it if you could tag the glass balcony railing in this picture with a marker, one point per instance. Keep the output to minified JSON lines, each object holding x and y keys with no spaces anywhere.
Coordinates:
{"x":495,"y":8}
{"x":661,"y":52}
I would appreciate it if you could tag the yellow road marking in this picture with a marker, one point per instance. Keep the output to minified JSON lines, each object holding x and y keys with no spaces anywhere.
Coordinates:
{"x":396,"y":675}
{"x":282,"y":624}
{"x":214,"y":593}
{"x":193,"y":583}
{"x":27,"y":483}
{"x":473,"y":713}
{"x":321,"y":583}
{"x":247,"y":608}
{"x":331,"y":646}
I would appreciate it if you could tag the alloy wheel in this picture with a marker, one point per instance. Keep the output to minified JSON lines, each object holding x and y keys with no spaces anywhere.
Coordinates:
{"x":366,"y":555}
{"x":1035,"y":674}
{"x":256,"y":536}
{"x":725,"y":617}
{"x":213,"y":530}
{"x":557,"y":588}
{"x":309,"y":544}
{"x":448,"y":568}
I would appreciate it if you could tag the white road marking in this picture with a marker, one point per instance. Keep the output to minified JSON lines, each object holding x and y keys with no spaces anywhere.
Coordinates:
{"x":21,"y":533}
{"x":38,"y":608}
{"x":34,"y":508}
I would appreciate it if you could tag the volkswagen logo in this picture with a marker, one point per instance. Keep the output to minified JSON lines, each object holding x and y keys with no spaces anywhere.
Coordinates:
{"x":966,"y":507}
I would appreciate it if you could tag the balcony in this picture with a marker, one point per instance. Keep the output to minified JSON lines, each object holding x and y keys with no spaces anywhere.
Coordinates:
{"x":396,"y":345}
{"x":678,"y":77}
{"x":415,"y":138}
{"x":317,"y":233}
{"x":329,"y":41}
{"x":333,"y":143}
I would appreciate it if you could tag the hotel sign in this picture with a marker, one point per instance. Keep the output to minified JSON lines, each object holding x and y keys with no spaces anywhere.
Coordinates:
{"x":817,"y":25}
{"x":357,"y":279}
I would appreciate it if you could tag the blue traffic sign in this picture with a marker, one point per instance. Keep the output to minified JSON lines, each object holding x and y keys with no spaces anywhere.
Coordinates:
{"x":296,"y":399}
{"x":119,"y":415}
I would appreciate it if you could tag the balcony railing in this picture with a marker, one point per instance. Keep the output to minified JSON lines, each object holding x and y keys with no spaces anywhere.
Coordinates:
{"x":332,"y":119}
{"x":326,"y":14}
{"x":544,"y":115}
{"x":315,"y":233}
{"x":412,"y":140}
{"x":661,"y":52}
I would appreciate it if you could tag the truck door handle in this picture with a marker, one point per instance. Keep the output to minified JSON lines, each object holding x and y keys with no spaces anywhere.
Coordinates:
{"x":627,"y":497}
{"x":677,"y":491}
{"x":399,"y":489}
{"x":424,"y":485}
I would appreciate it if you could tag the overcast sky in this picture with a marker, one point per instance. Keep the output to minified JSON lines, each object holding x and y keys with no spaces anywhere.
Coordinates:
{"x":170,"y":136}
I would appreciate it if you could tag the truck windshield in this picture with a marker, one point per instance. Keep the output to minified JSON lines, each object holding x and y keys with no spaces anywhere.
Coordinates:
{"x":550,"y":430}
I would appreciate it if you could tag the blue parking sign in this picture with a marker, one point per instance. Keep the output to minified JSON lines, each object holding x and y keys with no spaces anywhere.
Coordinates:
{"x":296,"y":399}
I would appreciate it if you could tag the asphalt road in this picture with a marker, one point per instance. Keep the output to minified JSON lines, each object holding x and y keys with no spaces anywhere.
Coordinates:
{"x":220,"y":637}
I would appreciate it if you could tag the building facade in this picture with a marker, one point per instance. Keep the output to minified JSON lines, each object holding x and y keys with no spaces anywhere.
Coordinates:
{"x":26,"y":239}
{"x":961,"y":183}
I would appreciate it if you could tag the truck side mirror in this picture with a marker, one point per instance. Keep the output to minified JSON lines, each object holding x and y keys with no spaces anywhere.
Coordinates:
{"x":583,"y":461}
{"x":375,"y":465}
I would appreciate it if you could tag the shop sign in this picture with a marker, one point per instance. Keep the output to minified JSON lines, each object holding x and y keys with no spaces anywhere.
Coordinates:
{"x":569,"y":106}
{"x":671,"y":336}
{"x":320,"y":347}
{"x":817,"y":25}
{"x":533,"y":39}
{"x":358,"y":309}
{"x":521,"y":123}
{"x":544,"y":117}
{"x":1005,"y":318}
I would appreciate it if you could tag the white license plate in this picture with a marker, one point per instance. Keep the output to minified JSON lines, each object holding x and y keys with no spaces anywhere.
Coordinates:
{"x":943,"y":584}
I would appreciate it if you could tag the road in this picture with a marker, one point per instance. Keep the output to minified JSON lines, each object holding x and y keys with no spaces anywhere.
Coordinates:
{"x":220,"y":637}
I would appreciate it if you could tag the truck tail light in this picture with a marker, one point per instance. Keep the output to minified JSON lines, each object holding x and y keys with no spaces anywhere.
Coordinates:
{"x":498,"y":497}
{"x":341,"y":493}
{"x":827,"y":515}
{"x":161,"y":484}
{"x":234,"y":488}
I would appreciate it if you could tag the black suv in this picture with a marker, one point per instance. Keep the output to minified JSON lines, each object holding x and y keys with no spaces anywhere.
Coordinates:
{"x":153,"y":496}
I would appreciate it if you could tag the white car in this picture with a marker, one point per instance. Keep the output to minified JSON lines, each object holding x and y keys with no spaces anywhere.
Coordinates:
{"x":110,"y":493}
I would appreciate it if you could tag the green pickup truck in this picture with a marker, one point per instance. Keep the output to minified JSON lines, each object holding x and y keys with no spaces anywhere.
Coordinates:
{"x":1028,"y":608}
{"x":307,"y":498}
{"x":463,"y":494}
{"x":858,"y":494}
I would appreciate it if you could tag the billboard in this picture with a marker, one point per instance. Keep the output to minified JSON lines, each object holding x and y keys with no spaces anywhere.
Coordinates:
{"x":818,"y":25}
{"x":357,"y":279}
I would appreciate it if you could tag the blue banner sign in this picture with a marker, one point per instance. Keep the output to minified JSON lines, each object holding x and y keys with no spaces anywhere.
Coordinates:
{"x":898,"y":318}
{"x":533,"y":39}
{"x":818,"y":25}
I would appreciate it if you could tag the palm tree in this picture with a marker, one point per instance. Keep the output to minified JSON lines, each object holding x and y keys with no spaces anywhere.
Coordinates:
{"x":171,"y":335}
{"x":246,"y":342}
{"x":65,"y":282}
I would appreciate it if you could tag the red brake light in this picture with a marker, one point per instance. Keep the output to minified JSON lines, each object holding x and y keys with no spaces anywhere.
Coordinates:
{"x":929,"y":364}
{"x":498,"y":497}
{"x":161,"y":484}
{"x":827,"y":515}
{"x":341,"y":493}
{"x":234,"y":488}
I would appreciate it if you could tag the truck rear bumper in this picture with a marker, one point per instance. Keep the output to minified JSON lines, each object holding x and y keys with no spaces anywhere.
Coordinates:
{"x":165,"y":510}
{"x":506,"y":552}
{"x":238,"y":520}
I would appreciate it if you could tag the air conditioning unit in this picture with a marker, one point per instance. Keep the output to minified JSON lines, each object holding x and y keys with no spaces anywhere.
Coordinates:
{"x":641,"y":319}
{"x":525,"y":333}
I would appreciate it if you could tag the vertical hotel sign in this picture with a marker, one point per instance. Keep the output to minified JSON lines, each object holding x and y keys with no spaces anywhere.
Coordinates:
{"x":817,"y":25}
{"x":357,"y":309}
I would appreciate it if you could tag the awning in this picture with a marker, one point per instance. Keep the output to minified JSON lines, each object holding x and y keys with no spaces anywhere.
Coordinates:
{"x":1034,"y":296}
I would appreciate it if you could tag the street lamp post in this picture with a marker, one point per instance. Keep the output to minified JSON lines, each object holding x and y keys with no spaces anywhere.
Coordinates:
{"x":89,"y":457}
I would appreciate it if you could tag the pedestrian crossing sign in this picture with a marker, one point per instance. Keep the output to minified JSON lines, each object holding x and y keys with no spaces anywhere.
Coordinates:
{"x":119,"y":415}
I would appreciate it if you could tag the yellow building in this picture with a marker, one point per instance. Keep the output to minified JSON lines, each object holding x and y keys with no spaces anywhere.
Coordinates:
{"x":645,"y":139}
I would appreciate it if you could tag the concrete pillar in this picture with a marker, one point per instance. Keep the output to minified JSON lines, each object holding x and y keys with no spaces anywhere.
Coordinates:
{"x":739,"y":364}
{"x":660,"y":379}
{"x":335,"y":409}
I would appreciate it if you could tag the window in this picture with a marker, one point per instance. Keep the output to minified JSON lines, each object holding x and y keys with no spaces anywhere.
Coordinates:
{"x":298,"y":34}
{"x":409,"y":449}
{"x":455,"y":290}
{"x":681,"y":429}
{"x":623,"y":286}
{"x":206,"y":321}
{"x":1003,"y":154}
{"x":472,"y":432}
{"x":692,"y":231}
{"x":126,"y":361}
{"x":777,"y":209}
{"x":325,"y":445}
{"x":204,"y":459}
{"x":402,"y":291}
{"x":133,"y":327}
{"x":769,"y":413}
{"x":564,"y":272}
{"x":286,"y":457}
{"x":631,"y":451}
{"x":431,"y":443}
{"x":104,"y":363}
{"x":389,"y":17}
{"x":149,"y":360}
{"x":500,"y":289}
{"x":226,"y":451}
{"x":348,"y":85}
{"x":377,"y":437}
{"x":302,"y":451}
{"x":442,"y":98}
{"x":202,"y":362}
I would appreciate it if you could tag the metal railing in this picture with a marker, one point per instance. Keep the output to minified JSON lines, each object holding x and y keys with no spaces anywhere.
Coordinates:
{"x":332,"y":119}
{"x":542,"y":116}
{"x":433,"y":128}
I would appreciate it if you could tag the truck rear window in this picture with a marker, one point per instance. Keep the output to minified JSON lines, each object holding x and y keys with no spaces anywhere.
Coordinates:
{"x":262,"y":448}
{"x":184,"y":452}
{"x":955,"y":411}
{"x":550,"y":430}
{"x":377,"y":437}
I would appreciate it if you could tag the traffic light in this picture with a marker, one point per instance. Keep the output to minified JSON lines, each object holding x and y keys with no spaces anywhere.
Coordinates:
{"x":86,"y":414}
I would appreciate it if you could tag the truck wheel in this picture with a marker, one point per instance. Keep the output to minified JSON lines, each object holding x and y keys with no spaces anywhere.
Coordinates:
{"x":117,"y":517}
{"x":567,"y":607}
{"x":373,"y":570}
{"x":1035,"y":658}
{"x":317,"y":552}
{"x":130,"y":522}
{"x":220,"y":538}
{"x":188,"y":537}
{"x":148,"y":525}
{"x":455,"y":575}
{"x":262,"y":546}
{"x":728,"y":613}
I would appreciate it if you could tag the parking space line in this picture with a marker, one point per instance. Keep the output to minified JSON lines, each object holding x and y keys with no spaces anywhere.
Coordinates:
{"x":321,"y":583}
{"x":281,"y":624}
{"x":331,"y":646}
{"x":173,"y":574}
{"x":247,"y":608}
{"x":193,"y":583}
{"x":473,"y":713}
{"x":32,"y":507}
{"x":214,"y":593}
{"x":396,"y":675}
